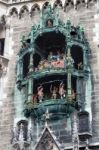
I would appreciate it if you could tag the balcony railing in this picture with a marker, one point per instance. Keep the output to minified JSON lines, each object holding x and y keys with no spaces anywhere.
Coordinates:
{"x":57,"y":107}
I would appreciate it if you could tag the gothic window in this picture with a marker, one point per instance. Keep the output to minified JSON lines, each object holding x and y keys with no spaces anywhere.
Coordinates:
{"x":68,"y":4}
{"x":14,"y":12}
{"x":2,"y":46}
{"x":91,"y":2}
{"x":22,"y":130}
{"x":77,"y":55}
{"x":35,"y":9}
{"x":36,"y":60}
{"x":80,"y":3}
{"x":26,"y":59}
{"x":45,"y":6}
{"x":24,"y":12}
{"x":58,"y":4}
{"x":83,"y":123}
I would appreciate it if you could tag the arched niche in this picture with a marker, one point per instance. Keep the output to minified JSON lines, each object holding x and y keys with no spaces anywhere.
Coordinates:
{"x":80,"y":4}
{"x":91,"y":3}
{"x":50,"y":42}
{"x":77,"y":55}
{"x":13,"y":12}
{"x":26,"y":60}
{"x":58,"y":4}
{"x":35,"y":9}
{"x":24,"y":11}
{"x":49,"y":82}
{"x":45,"y":5}
{"x":68,"y":5}
{"x":36,"y":59}
{"x":23,"y":125}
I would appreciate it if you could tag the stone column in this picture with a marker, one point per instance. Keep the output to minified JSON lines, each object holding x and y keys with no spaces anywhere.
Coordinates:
{"x":85,"y":59}
{"x":69,"y":73}
{"x":30,"y":89}
{"x":75,"y":137}
{"x":67,"y":67}
{"x":30,"y":80}
{"x":78,"y":85}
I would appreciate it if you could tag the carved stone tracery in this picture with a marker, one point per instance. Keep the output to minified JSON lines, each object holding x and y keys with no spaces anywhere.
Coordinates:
{"x":47,"y":142}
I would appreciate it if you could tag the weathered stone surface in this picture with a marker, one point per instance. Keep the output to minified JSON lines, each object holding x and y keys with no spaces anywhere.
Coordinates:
{"x":82,"y":16}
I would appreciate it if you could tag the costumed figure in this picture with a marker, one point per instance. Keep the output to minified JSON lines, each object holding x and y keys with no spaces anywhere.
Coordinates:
{"x":49,"y":23}
{"x":35,"y":98}
{"x":58,"y":55}
{"x":54,"y":92}
{"x":80,"y":66}
{"x":40,"y":93}
{"x":45,"y":64}
{"x":41,"y":65}
{"x":61,"y":90}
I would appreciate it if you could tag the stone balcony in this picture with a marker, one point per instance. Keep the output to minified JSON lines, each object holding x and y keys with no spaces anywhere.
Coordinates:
{"x":56,"y":107}
{"x":3,"y":65}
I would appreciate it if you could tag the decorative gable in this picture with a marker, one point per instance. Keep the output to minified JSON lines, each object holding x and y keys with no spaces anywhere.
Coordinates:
{"x":47,"y":141}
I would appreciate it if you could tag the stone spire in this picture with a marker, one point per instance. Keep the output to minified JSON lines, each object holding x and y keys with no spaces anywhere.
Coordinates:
{"x":75,"y":138}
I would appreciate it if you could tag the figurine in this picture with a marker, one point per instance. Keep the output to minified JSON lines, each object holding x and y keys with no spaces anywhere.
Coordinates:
{"x":61,"y":90}
{"x":34,"y":98}
{"x":73,"y":94}
{"x":58,"y":55}
{"x":40,"y":93}
{"x":54,"y":92}
{"x":80,"y":66}
{"x":49,"y":23}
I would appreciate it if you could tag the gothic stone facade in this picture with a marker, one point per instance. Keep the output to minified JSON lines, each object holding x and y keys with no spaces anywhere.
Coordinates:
{"x":17,"y":18}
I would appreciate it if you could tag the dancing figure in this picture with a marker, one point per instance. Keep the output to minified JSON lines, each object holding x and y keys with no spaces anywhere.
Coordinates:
{"x":58,"y":55}
{"x":61,"y":90}
{"x":80,"y":66}
{"x":35,"y":98}
{"x":40,"y":93}
{"x":73,"y":94}
{"x":54,"y":92}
